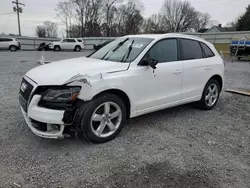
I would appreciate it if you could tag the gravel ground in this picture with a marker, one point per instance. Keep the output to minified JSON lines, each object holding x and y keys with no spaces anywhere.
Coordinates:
{"x":178,"y":147}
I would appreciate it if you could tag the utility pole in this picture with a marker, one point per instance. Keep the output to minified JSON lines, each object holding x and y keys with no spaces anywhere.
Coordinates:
{"x":18,"y":9}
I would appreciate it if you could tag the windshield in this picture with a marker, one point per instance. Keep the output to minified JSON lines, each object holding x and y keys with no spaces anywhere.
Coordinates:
{"x":122,"y":47}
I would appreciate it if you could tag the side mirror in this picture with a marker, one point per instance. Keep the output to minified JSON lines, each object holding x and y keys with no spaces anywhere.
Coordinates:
{"x":149,"y":62}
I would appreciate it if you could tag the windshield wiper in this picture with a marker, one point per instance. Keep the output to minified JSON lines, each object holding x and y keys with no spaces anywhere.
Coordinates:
{"x":116,"y":48}
{"x":128,"y":52}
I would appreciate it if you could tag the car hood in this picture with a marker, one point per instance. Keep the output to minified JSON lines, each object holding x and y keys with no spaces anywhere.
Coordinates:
{"x":59,"y":72}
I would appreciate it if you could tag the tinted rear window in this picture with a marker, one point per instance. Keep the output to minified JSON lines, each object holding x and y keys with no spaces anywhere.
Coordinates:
{"x":191,"y":49}
{"x":208,"y":52}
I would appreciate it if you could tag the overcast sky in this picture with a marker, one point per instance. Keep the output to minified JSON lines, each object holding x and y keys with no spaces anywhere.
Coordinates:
{"x":37,"y":11}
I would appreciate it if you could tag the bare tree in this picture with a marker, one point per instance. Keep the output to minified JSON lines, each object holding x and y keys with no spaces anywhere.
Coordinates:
{"x":178,"y":15}
{"x":51,"y":29}
{"x":154,"y":24}
{"x":40,"y":31}
{"x":202,"y":21}
{"x":81,"y":7}
{"x":110,"y":10}
{"x":131,"y":18}
{"x":65,"y":12}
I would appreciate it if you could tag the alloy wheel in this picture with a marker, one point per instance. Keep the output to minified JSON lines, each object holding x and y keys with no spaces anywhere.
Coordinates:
{"x":212,"y":95}
{"x":106,"y":119}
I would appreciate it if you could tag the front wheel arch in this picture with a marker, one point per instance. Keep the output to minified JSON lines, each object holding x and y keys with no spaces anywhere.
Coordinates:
{"x":57,"y":46}
{"x":122,"y":95}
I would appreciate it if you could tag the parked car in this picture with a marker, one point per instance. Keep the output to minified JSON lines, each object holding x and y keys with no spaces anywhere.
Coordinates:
{"x":43,"y":47}
{"x":68,"y":44}
{"x":129,"y":77}
{"x":9,"y":44}
{"x":99,"y":46}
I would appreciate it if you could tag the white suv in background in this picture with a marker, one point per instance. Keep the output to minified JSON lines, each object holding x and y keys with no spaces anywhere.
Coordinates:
{"x":75,"y":44}
{"x":9,"y":44}
{"x":129,"y":77}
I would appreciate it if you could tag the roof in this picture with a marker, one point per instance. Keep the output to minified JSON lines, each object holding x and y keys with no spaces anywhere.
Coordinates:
{"x":168,"y":35}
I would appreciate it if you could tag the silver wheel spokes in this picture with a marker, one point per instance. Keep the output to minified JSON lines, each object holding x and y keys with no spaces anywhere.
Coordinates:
{"x":106,"y":119}
{"x":212,"y":95}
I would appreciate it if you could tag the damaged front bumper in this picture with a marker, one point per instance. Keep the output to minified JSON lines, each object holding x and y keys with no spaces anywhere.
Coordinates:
{"x":44,"y":122}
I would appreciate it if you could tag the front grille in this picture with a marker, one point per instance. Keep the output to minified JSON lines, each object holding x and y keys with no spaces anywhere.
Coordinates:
{"x":26,"y":89}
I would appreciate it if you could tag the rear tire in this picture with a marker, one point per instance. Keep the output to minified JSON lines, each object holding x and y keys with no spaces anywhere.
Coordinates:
{"x":77,"y":48}
{"x":13,"y":48}
{"x":95,"y":118}
{"x":210,"y":96}
{"x":57,"y":48}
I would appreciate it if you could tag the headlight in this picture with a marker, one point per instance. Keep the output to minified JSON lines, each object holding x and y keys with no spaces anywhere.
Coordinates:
{"x":61,"y":95}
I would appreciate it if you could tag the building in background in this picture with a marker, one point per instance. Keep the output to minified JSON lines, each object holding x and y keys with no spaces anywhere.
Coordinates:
{"x":217,"y":29}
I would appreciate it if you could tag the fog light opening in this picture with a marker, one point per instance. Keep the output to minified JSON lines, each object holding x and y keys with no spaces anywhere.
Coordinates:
{"x":53,"y":127}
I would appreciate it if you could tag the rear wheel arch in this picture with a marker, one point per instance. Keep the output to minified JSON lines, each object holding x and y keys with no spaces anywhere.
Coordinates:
{"x":219,"y":79}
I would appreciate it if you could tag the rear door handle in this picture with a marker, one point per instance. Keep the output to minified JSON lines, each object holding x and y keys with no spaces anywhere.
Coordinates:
{"x":177,"y":72}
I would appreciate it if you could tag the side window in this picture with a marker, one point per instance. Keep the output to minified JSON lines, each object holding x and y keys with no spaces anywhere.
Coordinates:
{"x":8,"y":40}
{"x":71,"y":40}
{"x":4,"y":40}
{"x":79,"y":40}
{"x":208,"y":52}
{"x":191,"y":49}
{"x":64,"y":40}
{"x":164,"y":51}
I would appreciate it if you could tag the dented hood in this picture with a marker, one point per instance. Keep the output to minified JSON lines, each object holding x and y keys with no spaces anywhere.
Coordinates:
{"x":59,"y":72}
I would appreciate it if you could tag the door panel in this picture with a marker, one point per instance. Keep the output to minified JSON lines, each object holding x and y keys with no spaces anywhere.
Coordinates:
{"x":161,"y":87}
{"x":195,"y":75}
{"x":64,"y":44}
{"x":196,"y":69}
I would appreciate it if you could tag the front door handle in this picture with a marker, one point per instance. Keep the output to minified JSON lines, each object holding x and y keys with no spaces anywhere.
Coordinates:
{"x":177,"y":72}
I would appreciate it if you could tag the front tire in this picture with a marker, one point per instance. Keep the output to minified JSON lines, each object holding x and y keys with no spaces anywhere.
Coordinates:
{"x":102,"y":119}
{"x":210,"y":95}
{"x":57,"y":48}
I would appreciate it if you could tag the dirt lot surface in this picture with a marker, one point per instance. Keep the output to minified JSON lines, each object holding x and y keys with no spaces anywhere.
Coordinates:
{"x":178,"y":147}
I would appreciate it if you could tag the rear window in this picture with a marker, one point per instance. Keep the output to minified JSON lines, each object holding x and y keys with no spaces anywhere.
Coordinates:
{"x":191,"y":49}
{"x":208,"y":52}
